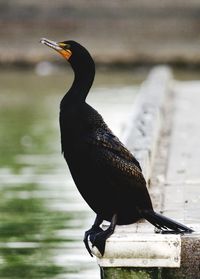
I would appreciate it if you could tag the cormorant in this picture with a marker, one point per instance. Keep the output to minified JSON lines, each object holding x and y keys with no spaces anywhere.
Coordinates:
{"x":107,"y":175}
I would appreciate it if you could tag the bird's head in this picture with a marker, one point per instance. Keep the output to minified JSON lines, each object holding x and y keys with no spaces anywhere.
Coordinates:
{"x":81,"y":63}
{"x":70,"y":50}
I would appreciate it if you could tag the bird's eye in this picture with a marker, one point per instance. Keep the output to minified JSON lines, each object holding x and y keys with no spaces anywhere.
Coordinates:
{"x":67,"y":46}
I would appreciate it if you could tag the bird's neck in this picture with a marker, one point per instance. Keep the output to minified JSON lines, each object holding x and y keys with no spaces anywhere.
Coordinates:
{"x":83,"y":80}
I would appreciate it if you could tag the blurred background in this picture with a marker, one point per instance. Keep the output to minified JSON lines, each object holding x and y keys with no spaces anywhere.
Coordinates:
{"x":42,"y":216}
{"x":127,"y":31}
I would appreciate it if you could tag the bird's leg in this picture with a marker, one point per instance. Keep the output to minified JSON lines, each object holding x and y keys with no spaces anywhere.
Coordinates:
{"x":99,"y":239}
{"x":92,"y":232}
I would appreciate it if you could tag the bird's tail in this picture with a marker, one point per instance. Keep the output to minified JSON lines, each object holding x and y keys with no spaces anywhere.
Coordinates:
{"x":163,"y":223}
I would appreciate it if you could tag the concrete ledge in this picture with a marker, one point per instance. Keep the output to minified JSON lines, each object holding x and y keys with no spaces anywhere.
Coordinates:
{"x":190,"y":259}
{"x":142,"y":131}
{"x":128,"y":248}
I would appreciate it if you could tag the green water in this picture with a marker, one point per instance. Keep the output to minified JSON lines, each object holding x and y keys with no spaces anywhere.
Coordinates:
{"x":42,"y":216}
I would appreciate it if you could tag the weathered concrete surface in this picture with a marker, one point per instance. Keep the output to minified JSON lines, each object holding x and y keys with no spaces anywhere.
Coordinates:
{"x":181,"y":191}
{"x":143,"y":130}
{"x":131,"y":273}
{"x":183,"y":166}
{"x":141,"y":248}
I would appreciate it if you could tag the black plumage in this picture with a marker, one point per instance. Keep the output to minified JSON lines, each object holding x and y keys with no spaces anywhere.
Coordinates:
{"x":107,"y":175}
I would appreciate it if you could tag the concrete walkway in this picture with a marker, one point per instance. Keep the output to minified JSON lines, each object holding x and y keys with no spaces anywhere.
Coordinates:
{"x":182,"y":185}
{"x":179,"y":180}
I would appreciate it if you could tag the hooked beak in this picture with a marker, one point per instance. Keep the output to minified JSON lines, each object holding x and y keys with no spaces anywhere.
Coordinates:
{"x":59,"y":47}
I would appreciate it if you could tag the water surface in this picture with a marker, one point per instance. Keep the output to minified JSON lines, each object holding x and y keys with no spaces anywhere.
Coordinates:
{"x":42,"y":216}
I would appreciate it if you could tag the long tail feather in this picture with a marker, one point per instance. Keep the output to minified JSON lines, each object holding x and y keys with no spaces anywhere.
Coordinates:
{"x":164,"y":223}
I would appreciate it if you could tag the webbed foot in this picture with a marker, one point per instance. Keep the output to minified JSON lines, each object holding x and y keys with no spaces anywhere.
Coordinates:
{"x":99,"y":239}
{"x":90,"y":234}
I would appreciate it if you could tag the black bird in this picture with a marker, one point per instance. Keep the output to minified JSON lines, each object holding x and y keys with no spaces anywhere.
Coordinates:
{"x":107,"y":175}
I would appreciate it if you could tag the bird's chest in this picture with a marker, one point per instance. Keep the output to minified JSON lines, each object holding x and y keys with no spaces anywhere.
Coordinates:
{"x":84,"y":167}
{"x":78,"y":158}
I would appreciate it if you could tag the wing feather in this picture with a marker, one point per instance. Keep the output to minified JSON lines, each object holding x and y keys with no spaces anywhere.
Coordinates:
{"x":114,"y":155}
